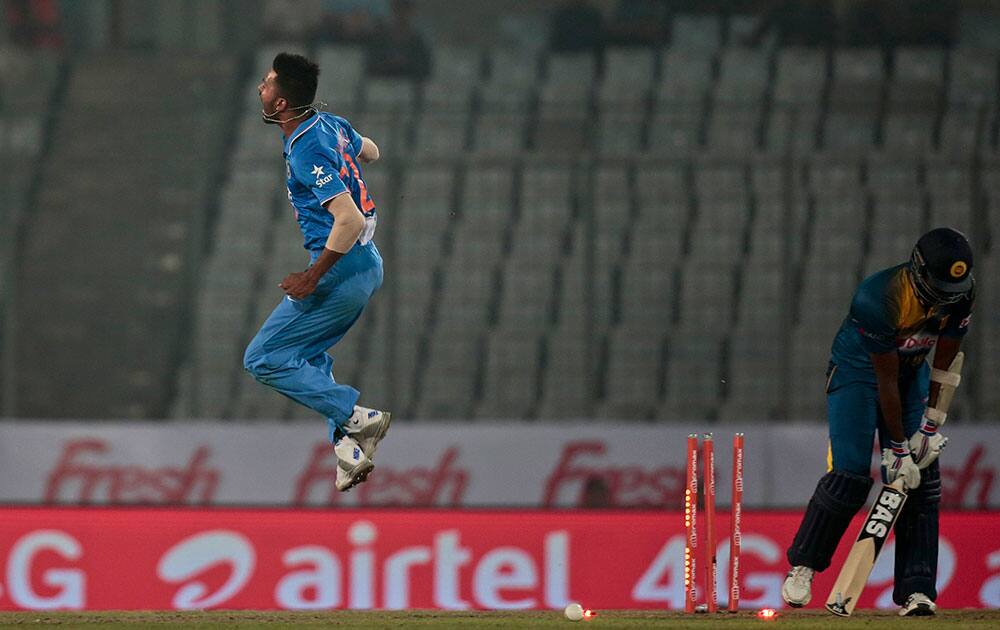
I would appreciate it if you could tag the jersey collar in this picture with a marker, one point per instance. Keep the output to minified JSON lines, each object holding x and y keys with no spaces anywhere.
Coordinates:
{"x":298,"y":132}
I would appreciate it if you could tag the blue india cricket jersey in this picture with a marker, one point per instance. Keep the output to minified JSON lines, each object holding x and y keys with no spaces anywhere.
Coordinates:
{"x":886,"y":315}
{"x":321,"y":159}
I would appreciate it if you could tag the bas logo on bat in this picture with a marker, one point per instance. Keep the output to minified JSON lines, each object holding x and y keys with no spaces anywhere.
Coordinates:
{"x":882,"y":515}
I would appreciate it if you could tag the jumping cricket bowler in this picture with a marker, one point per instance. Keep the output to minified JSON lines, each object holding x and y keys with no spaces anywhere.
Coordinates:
{"x":878,"y":379}
{"x":323,"y":156}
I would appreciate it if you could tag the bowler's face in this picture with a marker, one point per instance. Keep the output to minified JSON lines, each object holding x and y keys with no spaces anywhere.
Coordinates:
{"x":268,"y":91}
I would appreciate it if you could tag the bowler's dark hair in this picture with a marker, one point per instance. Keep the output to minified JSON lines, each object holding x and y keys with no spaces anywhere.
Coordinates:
{"x":296,"y":78}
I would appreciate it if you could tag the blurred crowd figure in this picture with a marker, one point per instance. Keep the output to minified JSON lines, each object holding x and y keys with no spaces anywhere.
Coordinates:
{"x":580,"y":25}
{"x":876,"y":23}
{"x":394,"y":48}
{"x":34,"y":23}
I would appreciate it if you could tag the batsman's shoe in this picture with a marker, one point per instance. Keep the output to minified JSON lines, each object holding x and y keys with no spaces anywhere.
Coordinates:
{"x":353,"y":465}
{"x":368,"y":427}
{"x":918,"y":605}
{"x":797,"y":589}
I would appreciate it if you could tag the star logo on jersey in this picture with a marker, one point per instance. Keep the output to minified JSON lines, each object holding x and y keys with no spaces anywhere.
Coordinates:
{"x":317,"y":171}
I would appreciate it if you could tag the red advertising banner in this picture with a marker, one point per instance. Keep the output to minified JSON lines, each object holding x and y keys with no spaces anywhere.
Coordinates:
{"x":283,"y":559}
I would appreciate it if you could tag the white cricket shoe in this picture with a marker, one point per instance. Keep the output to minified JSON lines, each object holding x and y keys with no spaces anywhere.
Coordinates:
{"x":353,"y":465}
{"x":918,"y":605}
{"x":368,"y":427}
{"x":797,"y":589}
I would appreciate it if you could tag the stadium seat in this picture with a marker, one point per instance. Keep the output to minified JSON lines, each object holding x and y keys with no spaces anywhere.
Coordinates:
{"x":512,"y":373}
{"x":457,"y":65}
{"x":720,"y":180}
{"x":628,"y":75}
{"x":764,"y":295}
{"x":655,"y":249}
{"x":673,"y":134}
{"x":909,"y":133}
{"x":571,"y":69}
{"x":500,"y":133}
{"x":953,"y":211}
{"x":743,"y":77}
{"x":562,"y":133}
{"x":773,"y":239}
{"x":833,"y":175}
{"x":587,"y":297}
{"x":634,"y":368}
{"x":512,"y":67}
{"x":620,"y":134}
{"x":972,"y":77}
{"x":810,"y":354}
{"x":526,"y":300}
{"x":686,"y":76}
{"x":948,"y":177}
{"x":693,"y":378}
{"x":568,"y":383}
{"x":696,"y":32}
{"x":792,"y":128}
{"x":706,"y":296}
{"x":800,"y":75}
{"x":546,"y":198}
{"x":647,"y":296}
{"x":449,"y":383}
{"x":890,"y":250}
{"x":754,"y":391}
{"x":892,"y":173}
{"x":487,"y":198}
{"x":659,"y":183}
{"x":826,"y":294}
{"x":734,"y":130}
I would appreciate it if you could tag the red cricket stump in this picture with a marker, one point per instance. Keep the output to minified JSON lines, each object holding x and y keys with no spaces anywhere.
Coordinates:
{"x":735,"y":533}
{"x":690,"y":523}
{"x":711,"y":565}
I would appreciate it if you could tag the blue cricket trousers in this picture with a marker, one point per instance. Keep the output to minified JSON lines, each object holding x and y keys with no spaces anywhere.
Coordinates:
{"x":289,"y":353}
{"x":854,"y":416}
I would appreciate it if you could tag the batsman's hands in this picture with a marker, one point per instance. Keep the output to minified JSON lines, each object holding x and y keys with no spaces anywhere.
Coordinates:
{"x":299,"y":285}
{"x":898,"y":464}
{"x":926,"y":444}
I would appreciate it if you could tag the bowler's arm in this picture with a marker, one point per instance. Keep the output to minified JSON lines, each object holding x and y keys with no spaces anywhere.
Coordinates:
{"x":945,"y":352}
{"x":347,"y":225}
{"x":369,"y":150}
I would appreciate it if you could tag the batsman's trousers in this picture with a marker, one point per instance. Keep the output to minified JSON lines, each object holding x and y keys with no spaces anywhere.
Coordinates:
{"x":854,"y":416}
{"x":289,"y":353}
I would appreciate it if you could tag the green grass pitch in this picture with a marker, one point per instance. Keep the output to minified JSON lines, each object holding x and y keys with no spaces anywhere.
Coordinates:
{"x":436,"y":619}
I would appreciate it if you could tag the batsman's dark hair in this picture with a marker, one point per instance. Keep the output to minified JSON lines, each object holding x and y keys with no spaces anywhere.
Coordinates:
{"x":297,"y":77}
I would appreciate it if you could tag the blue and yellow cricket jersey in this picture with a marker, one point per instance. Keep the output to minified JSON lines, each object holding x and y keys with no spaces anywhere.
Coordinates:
{"x":886,"y":315}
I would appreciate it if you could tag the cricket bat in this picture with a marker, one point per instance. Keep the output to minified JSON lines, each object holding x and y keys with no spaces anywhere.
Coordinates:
{"x":861,"y":559}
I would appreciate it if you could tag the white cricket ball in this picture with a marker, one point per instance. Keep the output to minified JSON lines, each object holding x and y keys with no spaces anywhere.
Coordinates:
{"x":574,"y":612}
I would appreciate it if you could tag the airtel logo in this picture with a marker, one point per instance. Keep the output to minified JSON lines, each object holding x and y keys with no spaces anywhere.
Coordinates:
{"x":200,"y":552}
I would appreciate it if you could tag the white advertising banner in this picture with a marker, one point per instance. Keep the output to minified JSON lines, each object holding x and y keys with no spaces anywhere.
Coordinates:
{"x":497,"y":464}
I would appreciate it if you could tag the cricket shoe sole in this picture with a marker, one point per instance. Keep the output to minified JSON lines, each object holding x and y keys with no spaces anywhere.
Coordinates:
{"x":797,"y":587}
{"x":918,"y":605}
{"x":353,"y":466}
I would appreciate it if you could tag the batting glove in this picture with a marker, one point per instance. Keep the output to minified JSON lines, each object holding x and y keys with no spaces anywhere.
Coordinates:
{"x":898,"y":464}
{"x":926,"y":444}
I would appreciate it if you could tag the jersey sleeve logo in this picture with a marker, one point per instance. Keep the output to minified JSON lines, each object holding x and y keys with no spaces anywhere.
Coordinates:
{"x":321,"y":178}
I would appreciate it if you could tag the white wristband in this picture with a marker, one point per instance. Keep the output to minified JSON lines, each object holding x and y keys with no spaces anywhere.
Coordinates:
{"x":935,"y":415}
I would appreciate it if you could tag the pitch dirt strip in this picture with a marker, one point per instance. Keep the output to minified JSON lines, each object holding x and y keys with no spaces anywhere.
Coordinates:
{"x":270,"y":620}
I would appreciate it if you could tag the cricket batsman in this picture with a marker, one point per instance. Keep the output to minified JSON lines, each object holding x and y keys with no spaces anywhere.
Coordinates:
{"x":323,"y":156}
{"x":878,"y":379}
